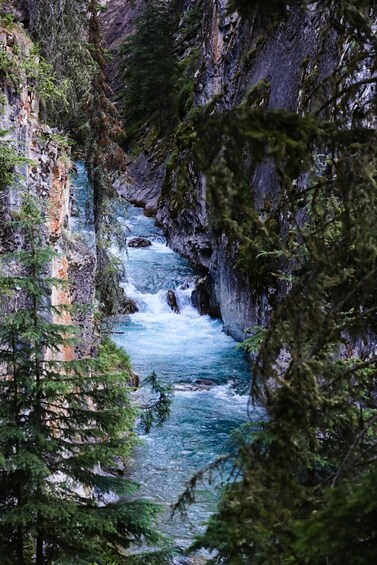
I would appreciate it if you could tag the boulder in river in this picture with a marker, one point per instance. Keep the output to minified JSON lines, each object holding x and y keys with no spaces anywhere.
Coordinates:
{"x":187,"y":284}
{"x":150,"y":209}
{"x":134,"y":380}
{"x":139,"y":242}
{"x":128,"y":306}
{"x":75,"y":212}
{"x":172,"y":301}
{"x":204,"y":382}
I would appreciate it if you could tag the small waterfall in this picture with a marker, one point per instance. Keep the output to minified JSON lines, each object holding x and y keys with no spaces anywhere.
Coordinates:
{"x":183,"y":349}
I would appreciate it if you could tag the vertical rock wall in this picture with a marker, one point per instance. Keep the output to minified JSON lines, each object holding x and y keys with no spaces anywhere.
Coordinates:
{"x":46,"y":174}
{"x":241,"y":62}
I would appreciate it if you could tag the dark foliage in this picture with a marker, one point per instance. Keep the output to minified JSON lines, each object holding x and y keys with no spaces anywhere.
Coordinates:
{"x":103,"y":157}
{"x":150,"y":66}
{"x":305,"y":490}
{"x":65,"y":424}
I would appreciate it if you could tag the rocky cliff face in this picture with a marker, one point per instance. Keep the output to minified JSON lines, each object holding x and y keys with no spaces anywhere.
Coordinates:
{"x":46,"y":174}
{"x":241,"y":62}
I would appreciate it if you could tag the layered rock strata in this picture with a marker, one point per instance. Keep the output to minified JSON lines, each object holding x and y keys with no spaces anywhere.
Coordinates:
{"x":46,"y":174}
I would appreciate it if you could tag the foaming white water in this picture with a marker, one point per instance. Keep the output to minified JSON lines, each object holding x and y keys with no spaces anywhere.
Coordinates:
{"x":177,"y":346}
{"x":143,"y":253}
{"x":184,"y":349}
{"x":224,"y":392}
{"x":160,"y":247}
{"x":191,"y":352}
{"x":178,"y":339}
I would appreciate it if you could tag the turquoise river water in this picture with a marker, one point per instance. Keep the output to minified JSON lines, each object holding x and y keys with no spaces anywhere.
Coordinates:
{"x":180,"y":348}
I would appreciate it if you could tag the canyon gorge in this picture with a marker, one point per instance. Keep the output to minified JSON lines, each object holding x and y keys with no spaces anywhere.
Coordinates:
{"x":188,"y":264}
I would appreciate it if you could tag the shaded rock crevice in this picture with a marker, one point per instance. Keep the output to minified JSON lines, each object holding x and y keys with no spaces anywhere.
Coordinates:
{"x":241,"y":64}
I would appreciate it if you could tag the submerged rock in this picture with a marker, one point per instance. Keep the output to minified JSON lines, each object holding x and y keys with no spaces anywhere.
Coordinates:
{"x":172,"y":301}
{"x":186,"y":285}
{"x":134,"y":380}
{"x":204,"y":382}
{"x":197,"y":386}
{"x":75,"y":212}
{"x":139,"y":242}
{"x":181,"y":560}
{"x":150,"y":210}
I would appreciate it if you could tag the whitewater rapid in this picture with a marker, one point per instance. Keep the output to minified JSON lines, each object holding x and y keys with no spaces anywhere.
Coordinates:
{"x":180,"y":348}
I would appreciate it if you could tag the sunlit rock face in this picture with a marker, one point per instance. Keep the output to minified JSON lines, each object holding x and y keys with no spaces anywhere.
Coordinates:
{"x":47,"y":174}
{"x":240,"y":62}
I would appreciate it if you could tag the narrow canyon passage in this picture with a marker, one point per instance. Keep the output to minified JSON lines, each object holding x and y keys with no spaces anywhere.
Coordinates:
{"x":182,"y":349}
{"x":209,"y":373}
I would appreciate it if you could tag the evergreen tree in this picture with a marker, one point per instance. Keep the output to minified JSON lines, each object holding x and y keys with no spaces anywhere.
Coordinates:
{"x":70,"y":36}
{"x":103,"y":157}
{"x":150,"y":65}
{"x":305,"y":492}
{"x":63,"y":425}
{"x":59,"y":29}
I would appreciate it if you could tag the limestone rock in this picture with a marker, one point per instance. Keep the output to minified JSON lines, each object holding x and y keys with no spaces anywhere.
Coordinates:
{"x":128,"y":306}
{"x":139,"y":242}
{"x":205,"y":382}
{"x":172,"y":301}
{"x":197,"y":386}
{"x":203,"y":297}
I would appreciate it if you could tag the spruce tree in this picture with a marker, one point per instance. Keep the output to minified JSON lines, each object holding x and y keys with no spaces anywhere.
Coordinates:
{"x":64,"y":425}
{"x":150,"y":66}
{"x":305,"y":490}
{"x":104,"y":157}
{"x":70,"y":36}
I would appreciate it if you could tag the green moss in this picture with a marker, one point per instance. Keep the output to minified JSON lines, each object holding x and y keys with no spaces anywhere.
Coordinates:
{"x":258,"y":255}
{"x":257,"y":95}
{"x":6,"y":62}
{"x":191,"y":22}
{"x":167,"y":186}
{"x":186,"y":131}
{"x":186,"y":98}
{"x":3,"y":101}
{"x":113,"y":358}
{"x":63,"y":142}
{"x":186,"y":83}
{"x":135,"y":150}
{"x":9,"y":160}
{"x":252,"y":343}
{"x":40,"y":75}
{"x":250,"y":55}
{"x":171,"y":163}
{"x":34,"y":69}
{"x":141,"y":136}
{"x":6,"y":20}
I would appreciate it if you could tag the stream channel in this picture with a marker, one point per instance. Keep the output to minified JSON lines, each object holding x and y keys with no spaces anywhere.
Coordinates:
{"x":180,"y":348}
